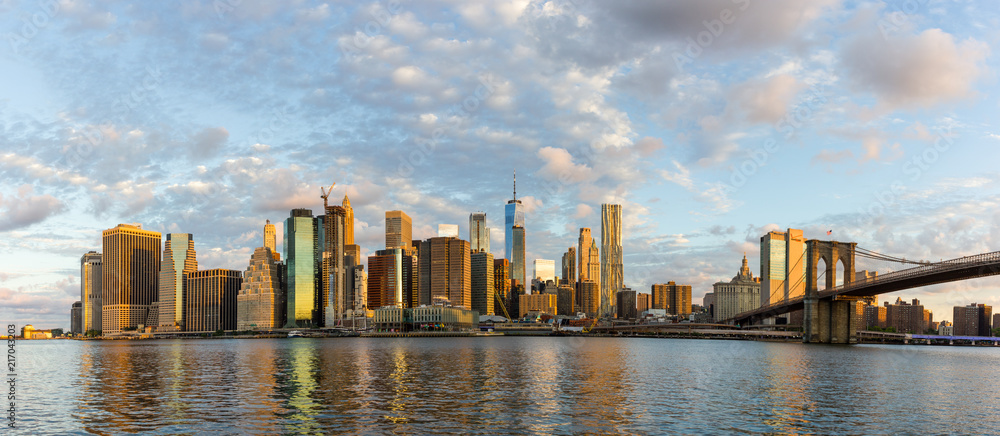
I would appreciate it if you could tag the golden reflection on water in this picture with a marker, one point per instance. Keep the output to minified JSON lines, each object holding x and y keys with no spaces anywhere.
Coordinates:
{"x":788,"y":377}
{"x":303,"y":367}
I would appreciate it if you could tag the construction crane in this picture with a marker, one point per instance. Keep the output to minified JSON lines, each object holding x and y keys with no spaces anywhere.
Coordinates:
{"x":503,"y":305}
{"x":325,"y":193}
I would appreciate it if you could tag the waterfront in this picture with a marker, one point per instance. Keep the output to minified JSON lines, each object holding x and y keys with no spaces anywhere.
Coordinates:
{"x":502,"y":385}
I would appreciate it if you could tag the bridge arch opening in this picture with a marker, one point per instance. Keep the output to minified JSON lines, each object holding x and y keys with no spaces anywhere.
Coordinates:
{"x":841,"y":273}
{"x":821,"y":273}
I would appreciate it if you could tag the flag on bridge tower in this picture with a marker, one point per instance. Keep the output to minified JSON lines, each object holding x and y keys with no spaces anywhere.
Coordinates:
{"x":829,"y":232}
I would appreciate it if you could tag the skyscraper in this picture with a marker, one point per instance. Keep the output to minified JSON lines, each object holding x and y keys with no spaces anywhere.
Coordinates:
{"x":782,"y":266}
{"x":479,"y":234}
{"x":211,"y":300}
{"x":517,"y":260}
{"x":261,"y":301}
{"x":544,"y":269}
{"x":590,"y":301}
{"x":348,"y":221}
{"x":302,"y":257}
{"x":333,"y":270}
{"x":514,"y":217}
{"x":76,"y":318}
{"x":569,"y":266}
{"x":270,"y":241}
{"x":674,"y":298}
{"x":483,"y":283}
{"x":611,"y":256}
{"x":445,"y":272}
{"x":178,"y":259}
{"x":398,"y":230}
{"x":90,"y":291}
{"x":129,"y":276}
{"x":501,"y":282}
{"x":390,"y":278}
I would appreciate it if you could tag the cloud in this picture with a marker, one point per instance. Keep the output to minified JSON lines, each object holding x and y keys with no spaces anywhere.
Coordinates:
{"x":830,"y":156}
{"x":559,"y":166}
{"x":766,"y":100}
{"x":582,"y":210}
{"x":208,"y":142}
{"x":23,"y":209}
{"x":912,"y":71}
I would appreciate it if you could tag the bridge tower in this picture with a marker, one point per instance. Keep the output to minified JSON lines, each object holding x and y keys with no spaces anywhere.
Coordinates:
{"x":829,"y":319}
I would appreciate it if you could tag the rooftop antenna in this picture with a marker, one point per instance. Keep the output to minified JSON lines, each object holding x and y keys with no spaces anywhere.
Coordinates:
{"x":515,"y":184}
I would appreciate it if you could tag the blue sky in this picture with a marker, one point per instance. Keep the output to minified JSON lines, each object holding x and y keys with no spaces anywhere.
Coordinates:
{"x":711,"y":122}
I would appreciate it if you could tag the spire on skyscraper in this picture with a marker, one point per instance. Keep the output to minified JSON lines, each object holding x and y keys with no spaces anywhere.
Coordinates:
{"x":515,"y":184}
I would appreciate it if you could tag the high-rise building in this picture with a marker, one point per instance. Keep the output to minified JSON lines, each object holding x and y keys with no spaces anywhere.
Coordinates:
{"x":738,"y":295}
{"x":332,"y":268}
{"x":625,"y":306}
{"x":211,"y":300}
{"x":585,"y":242}
{"x":545,"y":270}
{"x":643,"y":302}
{"x":972,"y":320}
{"x":514,"y":239}
{"x":674,"y":298}
{"x":782,"y":266}
{"x":875,"y":316}
{"x":566,"y":302}
{"x":479,"y":234}
{"x":906,"y":318}
{"x":398,"y":230}
{"x":590,"y":298}
{"x":544,"y":303}
{"x":391,"y":278}
{"x":483,"y":282}
{"x":569,"y":266}
{"x":447,"y":230}
{"x":517,"y":262}
{"x":611,"y":256}
{"x":129,"y":276}
{"x":357,"y":290}
{"x":502,"y":284}
{"x":261,"y":301}
{"x":996,"y":321}
{"x":348,"y":221}
{"x":76,"y":318}
{"x":270,"y":240}
{"x":178,"y":259}
{"x":303,"y":262}
{"x":445,"y":272}
{"x":90,"y":291}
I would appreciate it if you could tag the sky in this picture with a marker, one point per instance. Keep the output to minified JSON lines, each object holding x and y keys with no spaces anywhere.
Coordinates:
{"x":711,"y":122}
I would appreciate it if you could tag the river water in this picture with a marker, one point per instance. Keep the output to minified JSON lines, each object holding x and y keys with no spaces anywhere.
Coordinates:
{"x":502,"y":385}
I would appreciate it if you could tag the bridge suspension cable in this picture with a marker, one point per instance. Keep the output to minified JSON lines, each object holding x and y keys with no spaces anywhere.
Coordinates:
{"x":862,"y":252}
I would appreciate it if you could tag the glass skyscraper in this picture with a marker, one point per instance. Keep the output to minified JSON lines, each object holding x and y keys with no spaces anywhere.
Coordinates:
{"x":302,"y":256}
{"x":514,"y":216}
{"x":479,"y":234}
{"x":90,"y":291}
{"x":611,"y":256}
{"x":178,"y":258}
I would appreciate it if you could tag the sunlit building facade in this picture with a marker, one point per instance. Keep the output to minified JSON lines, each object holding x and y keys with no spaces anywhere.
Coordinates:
{"x":479,"y":234}
{"x":544,"y":270}
{"x":502,"y":284}
{"x":612,"y":270}
{"x":332,"y":270}
{"x":391,"y":279}
{"x":514,"y":243}
{"x":398,"y":230}
{"x":544,"y":303}
{"x":445,"y":272}
{"x":590,"y":298}
{"x":483,"y":284}
{"x":90,"y":291}
{"x":782,"y":266}
{"x":211,"y":300}
{"x":179,"y":258}
{"x":261,"y":301}
{"x":270,"y":240}
{"x":348,"y":221}
{"x":569,"y":266}
{"x":129,"y":276}
{"x":674,"y":298}
{"x":738,"y":295}
{"x":302,"y":259}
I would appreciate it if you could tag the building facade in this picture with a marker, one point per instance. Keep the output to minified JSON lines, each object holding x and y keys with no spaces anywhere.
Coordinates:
{"x":179,"y":258}
{"x":625,"y":304}
{"x":130,"y":271}
{"x":590,"y":298}
{"x":544,"y":270}
{"x":479,"y":234}
{"x":270,"y":240}
{"x":514,"y":217}
{"x":261,"y":300}
{"x":738,"y":295}
{"x":674,"y":298}
{"x":398,"y":230}
{"x":545,"y":303}
{"x":612,"y":270}
{"x":348,"y":221}
{"x":445,"y":272}
{"x":566,"y":299}
{"x":211,"y":301}
{"x":333,"y":272}
{"x":448,"y":230}
{"x":569,"y":266}
{"x":303,"y":262}
{"x":502,"y":285}
{"x":76,"y":318}
{"x":973,"y":320}
{"x":90,"y":291}
{"x":483,"y":282}
{"x":782,"y":266}
{"x":392,"y":279}
{"x":906,"y":317}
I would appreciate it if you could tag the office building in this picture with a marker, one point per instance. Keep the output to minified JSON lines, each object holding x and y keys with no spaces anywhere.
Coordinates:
{"x":398,"y":230}
{"x":566,"y":299}
{"x":625,"y":304}
{"x":76,"y":318}
{"x":643,"y":302}
{"x":130,"y":273}
{"x":445,"y":272}
{"x":332,"y":267}
{"x":391,"y":279}
{"x":738,"y":295}
{"x":544,"y":270}
{"x":179,"y":258}
{"x":973,"y":320}
{"x":514,"y":236}
{"x":261,"y":300}
{"x":502,"y":284}
{"x":590,"y":298}
{"x":782,"y":266}
{"x":357,"y":288}
{"x":211,"y":300}
{"x":303,"y":261}
{"x":483,"y":283}
{"x":479,"y":234}
{"x":90,"y":291}
{"x":441,"y":318}
{"x":447,"y":230}
{"x":348,"y":221}
{"x":543,"y":303}
{"x":569,"y":266}
{"x":270,"y":240}
{"x":674,"y":298}
{"x":611,"y":268}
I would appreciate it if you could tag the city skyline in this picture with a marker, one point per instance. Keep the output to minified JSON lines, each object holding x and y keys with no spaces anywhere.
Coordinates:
{"x":627,"y":112}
